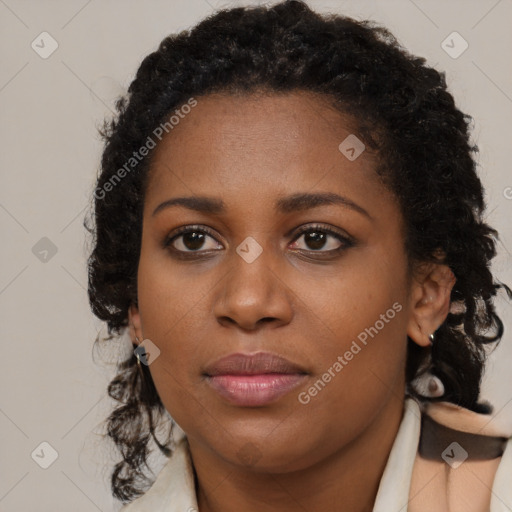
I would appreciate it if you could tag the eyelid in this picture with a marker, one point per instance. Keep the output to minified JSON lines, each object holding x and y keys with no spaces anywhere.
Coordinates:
{"x":341,"y":235}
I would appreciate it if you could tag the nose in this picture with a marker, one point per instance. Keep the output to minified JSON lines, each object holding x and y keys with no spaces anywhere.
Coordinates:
{"x":253,"y":295}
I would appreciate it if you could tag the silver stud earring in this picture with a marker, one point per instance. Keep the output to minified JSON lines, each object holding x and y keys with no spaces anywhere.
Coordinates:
{"x":431,"y":338}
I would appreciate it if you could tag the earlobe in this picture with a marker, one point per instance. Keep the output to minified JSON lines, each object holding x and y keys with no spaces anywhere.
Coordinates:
{"x":135,"y":324}
{"x":419,"y":334}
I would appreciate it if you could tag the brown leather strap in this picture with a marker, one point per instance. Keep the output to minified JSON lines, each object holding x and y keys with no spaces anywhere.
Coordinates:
{"x":436,"y":438}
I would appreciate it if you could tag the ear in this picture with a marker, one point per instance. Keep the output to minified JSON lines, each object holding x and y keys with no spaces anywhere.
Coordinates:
{"x":135,"y":324}
{"x":430,"y":301}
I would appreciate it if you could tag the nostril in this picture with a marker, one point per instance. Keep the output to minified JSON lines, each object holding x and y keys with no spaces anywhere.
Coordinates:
{"x":226,"y":320}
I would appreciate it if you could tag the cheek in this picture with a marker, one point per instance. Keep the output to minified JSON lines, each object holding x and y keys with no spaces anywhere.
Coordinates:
{"x":173,"y":317}
{"x":367,"y":287}
{"x":168,"y":294}
{"x":361,"y":316}
{"x":361,"y":356}
{"x":185,"y":403}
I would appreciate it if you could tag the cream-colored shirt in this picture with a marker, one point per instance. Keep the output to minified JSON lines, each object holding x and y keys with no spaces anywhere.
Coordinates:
{"x":174,"y":489}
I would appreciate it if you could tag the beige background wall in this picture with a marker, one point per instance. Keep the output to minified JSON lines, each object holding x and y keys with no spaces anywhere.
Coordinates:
{"x":52,"y":391}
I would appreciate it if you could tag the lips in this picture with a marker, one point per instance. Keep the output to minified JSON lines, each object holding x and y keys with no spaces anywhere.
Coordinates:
{"x":253,"y":364}
{"x":254,"y":380}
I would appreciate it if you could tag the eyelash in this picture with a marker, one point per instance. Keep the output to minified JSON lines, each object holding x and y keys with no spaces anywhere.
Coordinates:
{"x":346,"y":241}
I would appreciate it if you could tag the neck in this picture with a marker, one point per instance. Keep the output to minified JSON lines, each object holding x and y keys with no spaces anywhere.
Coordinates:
{"x":348,"y":480}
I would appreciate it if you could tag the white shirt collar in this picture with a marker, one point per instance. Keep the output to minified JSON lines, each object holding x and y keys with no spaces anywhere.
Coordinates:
{"x":501,"y":498}
{"x":393,"y":493}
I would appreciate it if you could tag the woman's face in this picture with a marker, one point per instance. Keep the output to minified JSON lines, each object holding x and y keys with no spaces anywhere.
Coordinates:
{"x":334,"y":300}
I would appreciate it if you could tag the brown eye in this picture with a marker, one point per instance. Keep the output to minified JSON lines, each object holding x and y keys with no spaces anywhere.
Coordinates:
{"x":315,"y":240}
{"x":320,"y":239}
{"x":192,"y":239}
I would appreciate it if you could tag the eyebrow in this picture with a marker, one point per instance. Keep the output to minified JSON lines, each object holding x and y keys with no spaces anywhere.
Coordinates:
{"x":293,"y":203}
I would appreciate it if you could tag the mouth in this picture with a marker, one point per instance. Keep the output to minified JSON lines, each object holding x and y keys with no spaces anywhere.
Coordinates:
{"x":252,"y":380}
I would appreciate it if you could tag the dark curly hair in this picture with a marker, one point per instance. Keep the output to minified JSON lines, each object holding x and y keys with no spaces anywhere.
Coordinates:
{"x":404,"y":112}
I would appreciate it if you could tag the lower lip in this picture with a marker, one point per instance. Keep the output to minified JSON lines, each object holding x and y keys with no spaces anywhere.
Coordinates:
{"x":254,"y":390}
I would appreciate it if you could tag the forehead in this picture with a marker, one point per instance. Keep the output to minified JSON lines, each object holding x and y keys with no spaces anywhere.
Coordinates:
{"x":264,"y":142}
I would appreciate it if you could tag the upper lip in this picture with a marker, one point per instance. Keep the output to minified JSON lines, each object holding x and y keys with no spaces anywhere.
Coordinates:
{"x":252,"y":364}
